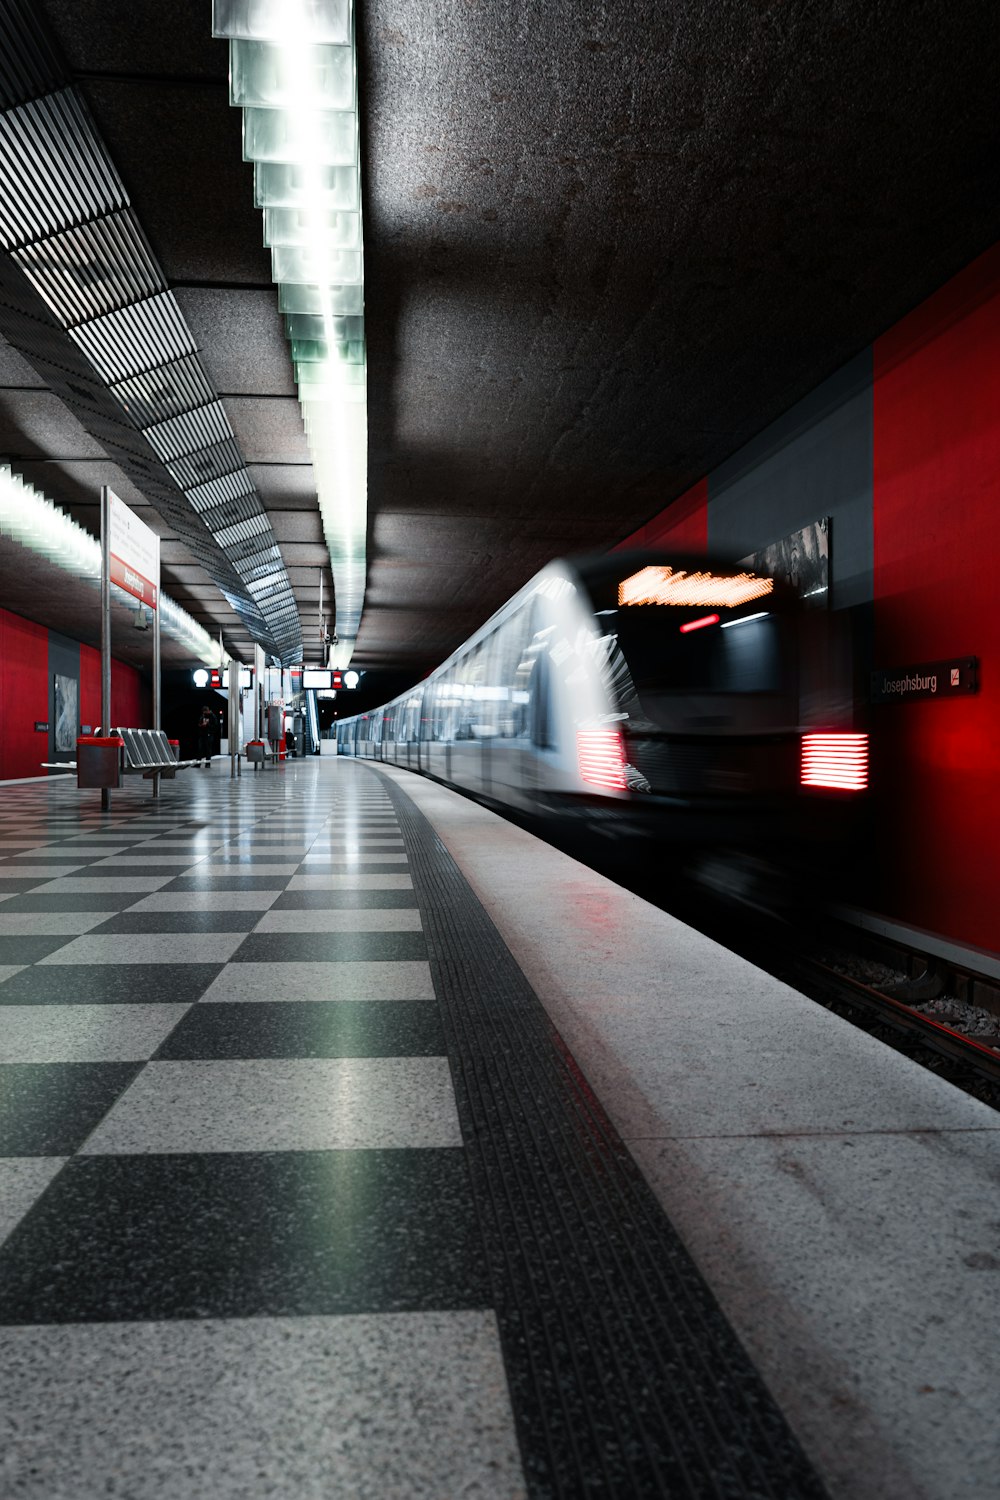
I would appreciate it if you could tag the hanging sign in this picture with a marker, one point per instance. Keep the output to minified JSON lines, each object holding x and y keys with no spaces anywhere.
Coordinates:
{"x":928,"y":679}
{"x":135,"y":553}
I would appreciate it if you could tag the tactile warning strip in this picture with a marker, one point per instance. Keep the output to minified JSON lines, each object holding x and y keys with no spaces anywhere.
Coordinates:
{"x":625,"y":1377}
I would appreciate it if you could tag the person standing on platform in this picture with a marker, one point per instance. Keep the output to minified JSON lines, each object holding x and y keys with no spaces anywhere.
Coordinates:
{"x":207,"y":734}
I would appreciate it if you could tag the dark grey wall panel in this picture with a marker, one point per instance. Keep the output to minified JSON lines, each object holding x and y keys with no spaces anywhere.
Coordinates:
{"x":814,"y":461}
{"x":64,"y":659}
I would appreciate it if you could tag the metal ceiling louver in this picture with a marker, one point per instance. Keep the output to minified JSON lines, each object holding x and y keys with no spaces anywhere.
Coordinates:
{"x":164,"y":391}
{"x":232,"y":490}
{"x":190,"y":431}
{"x":90,"y":271}
{"x":58,"y":172}
{"x":135,"y":340}
{"x":83,"y":298}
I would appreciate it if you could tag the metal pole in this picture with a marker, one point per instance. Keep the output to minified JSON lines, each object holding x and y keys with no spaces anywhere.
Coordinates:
{"x":105,"y":625}
{"x":259,"y":660}
{"x":234,"y":718}
{"x":157,"y":698}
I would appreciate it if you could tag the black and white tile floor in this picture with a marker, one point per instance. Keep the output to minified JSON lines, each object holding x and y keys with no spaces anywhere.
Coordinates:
{"x":240,"y":1255}
{"x":301,"y":1194}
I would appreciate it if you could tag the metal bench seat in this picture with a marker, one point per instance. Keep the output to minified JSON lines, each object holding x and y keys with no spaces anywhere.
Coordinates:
{"x":148,"y":752}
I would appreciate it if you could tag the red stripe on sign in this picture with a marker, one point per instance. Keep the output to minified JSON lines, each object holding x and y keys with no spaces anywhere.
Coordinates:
{"x":132,"y":582}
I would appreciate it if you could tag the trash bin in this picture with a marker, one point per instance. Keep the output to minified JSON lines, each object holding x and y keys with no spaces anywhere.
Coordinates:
{"x":175,"y":746}
{"x":256,"y":752}
{"x":99,"y":760}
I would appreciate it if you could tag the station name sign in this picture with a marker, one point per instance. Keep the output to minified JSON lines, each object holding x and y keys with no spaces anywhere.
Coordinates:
{"x":135,"y":553}
{"x":928,"y":679}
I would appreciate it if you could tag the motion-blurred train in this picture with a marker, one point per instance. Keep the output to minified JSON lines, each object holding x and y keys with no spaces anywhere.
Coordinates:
{"x":670,"y":697}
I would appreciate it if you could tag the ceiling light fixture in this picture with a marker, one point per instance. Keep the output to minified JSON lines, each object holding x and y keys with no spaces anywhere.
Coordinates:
{"x":293,"y":72}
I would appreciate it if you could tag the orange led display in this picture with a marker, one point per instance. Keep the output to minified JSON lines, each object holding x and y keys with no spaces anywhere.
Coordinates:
{"x":655,"y":585}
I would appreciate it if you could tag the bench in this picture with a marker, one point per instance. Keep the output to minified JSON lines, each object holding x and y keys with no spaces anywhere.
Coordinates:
{"x":134,"y":752}
{"x":148,"y":752}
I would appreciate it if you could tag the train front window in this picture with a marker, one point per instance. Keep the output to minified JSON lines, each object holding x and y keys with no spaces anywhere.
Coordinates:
{"x":727,"y":656}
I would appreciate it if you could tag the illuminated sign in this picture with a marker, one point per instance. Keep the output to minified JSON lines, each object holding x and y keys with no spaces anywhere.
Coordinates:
{"x":135,"y":553}
{"x":654,"y":585}
{"x":321,"y":678}
{"x":221,"y":679}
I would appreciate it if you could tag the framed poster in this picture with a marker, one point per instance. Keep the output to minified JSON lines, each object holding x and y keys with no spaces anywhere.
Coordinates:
{"x":801,"y":559}
{"x":66,"y":702}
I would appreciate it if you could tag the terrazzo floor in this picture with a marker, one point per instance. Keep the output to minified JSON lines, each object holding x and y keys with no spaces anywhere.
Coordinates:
{"x":239,"y":1253}
{"x":302,"y":1194}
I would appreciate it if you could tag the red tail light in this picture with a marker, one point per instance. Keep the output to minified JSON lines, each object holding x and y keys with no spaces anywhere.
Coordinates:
{"x":835,"y":760}
{"x":601,"y":757}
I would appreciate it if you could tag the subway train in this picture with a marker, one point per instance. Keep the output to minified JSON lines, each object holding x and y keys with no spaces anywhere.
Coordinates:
{"x":681,"y":699}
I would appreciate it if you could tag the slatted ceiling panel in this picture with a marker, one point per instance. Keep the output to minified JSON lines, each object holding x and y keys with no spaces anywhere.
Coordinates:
{"x":242,"y":531}
{"x":105,"y":428}
{"x":83,"y":291}
{"x":231,"y":488}
{"x":28,"y":64}
{"x":164,"y":391}
{"x":258,"y":562}
{"x":91,"y":270}
{"x":56,"y":170}
{"x":190,"y":431}
{"x":192,"y":469}
{"x":135,"y":340}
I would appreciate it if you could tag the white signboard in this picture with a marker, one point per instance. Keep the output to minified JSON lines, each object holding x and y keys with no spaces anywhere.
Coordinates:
{"x":135,"y":553}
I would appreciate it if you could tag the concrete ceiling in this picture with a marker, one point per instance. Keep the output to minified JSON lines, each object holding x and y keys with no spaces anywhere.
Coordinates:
{"x":605,"y":245}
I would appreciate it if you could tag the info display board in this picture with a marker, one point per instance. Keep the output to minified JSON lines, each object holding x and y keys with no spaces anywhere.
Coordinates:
{"x":135,"y":553}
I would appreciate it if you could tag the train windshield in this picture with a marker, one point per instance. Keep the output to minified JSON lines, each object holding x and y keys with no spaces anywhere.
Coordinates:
{"x":712,"y":655}
{"x":686,"y":654}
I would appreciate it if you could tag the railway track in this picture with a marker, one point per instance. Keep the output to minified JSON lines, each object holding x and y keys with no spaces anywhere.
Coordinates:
{"x":970,"y":1064}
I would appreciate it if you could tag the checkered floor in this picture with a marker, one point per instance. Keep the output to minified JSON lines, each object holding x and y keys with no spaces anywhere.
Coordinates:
{"x":239,"y":1249}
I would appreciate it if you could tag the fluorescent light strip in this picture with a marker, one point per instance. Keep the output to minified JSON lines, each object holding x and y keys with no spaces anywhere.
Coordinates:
{"x":29,"y":518}
{"x":293,"y":70}
{"x":744,"y":619}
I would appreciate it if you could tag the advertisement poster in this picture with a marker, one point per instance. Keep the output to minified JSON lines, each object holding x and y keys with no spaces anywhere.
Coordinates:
{"x":801,"y":559}
{"x":135,"y":554}
{"x":66,"y":703}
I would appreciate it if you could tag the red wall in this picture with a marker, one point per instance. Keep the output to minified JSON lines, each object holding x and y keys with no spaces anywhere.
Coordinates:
{"x":937,"y":547}
{"x":24,"y":696}
{"x":684,"y":524}
{"x":130,"y":703}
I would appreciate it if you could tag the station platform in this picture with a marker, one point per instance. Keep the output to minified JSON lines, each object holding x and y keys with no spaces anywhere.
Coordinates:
{"x":355,"y":1142}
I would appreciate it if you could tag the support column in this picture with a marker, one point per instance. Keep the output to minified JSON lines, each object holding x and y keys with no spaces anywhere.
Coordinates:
{"x":234,"y":718}
{"x":157,"y":705}
{"x":105,"y":626}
